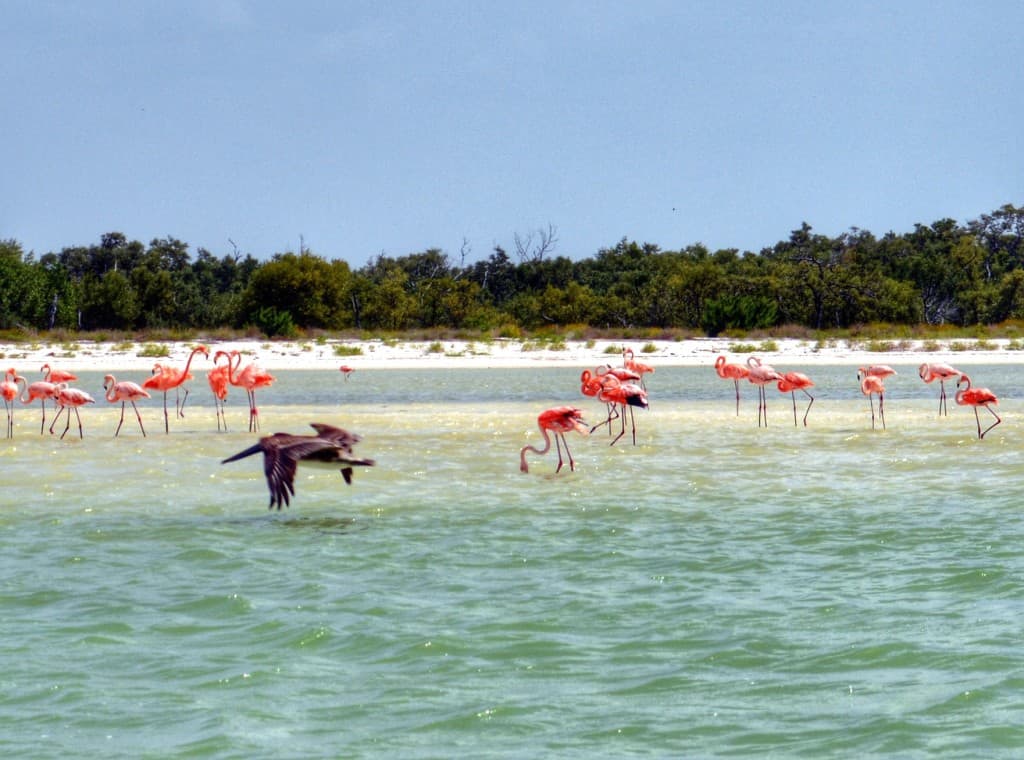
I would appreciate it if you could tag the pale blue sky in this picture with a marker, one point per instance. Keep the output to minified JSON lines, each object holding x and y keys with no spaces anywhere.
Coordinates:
{"x":369,"y":127}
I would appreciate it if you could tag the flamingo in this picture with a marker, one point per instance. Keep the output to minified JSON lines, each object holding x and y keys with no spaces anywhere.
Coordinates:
{"x":760,"y":375}
{"x":618,"y":394}
{"x":639,"y":367}
{"x":878,"y":370}
{"x":283,"y":452}
{"x":558,"y":420}
{"x":591,"y":385}
{"x":346,"y":370}
{"x":977,"y":397}
{"x":164,"y":378}
{"x":124,"y":391}
{"x":734,"y":372}
{"x":941,"y":372}
{"x":250,"y":378}
{"x":792,"y":382}
{"x":622,"y":374}
{"x":52,"y":375}
{"x":70,"y":398}
{"x":870,"y":385}
{"x":218,"y":381}
{"x":10,"y":391}
{"x":42,"y":390}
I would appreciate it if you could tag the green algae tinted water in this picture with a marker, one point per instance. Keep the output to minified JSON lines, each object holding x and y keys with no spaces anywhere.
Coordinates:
{"x":715,"y":590}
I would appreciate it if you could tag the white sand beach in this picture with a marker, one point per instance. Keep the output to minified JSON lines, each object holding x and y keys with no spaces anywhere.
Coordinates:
{"x":498,"y":353}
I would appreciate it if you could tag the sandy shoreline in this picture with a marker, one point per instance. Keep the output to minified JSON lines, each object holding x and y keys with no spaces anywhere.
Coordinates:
{"x":87,"y":356}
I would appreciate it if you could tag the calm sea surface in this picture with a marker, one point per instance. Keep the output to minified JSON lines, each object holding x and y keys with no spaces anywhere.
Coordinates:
{"x":717,"y":590}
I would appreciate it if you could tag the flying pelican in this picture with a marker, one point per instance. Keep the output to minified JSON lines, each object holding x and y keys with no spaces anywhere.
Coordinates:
{"x":282,"y":452}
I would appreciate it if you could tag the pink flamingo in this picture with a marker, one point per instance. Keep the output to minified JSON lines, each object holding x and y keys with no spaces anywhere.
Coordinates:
{"x":218,"y":381}
{"x":52,"y":375}
{"x":760,"y":375}
{"x":70,"y":398}
{"x":792,"y":382}
{"x":558,"y":420}
{"x":346,"y":370}
{"x":250,"y":378}
{"x":591,"y":385}
{"x":40,"y":390}
{"x":639,"y":367}
{"x":869,"y":386}
{"x":977,"y":397}
{"x":941,"y":372}
{"x":734,"y":372}
{"x":164,"y":378}
{"x":878,"y":370}
{"x":623,"y":395}
{"x":124,"y":391}
{"x":10,"y":391}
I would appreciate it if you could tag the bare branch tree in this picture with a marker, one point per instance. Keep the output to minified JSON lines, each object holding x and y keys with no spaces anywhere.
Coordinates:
{"x":529,"y":250}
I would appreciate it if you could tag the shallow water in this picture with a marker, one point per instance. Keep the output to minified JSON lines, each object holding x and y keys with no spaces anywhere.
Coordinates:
{"x":716,"y":590}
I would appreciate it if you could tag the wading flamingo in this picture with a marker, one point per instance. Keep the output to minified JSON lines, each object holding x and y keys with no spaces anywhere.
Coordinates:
{"x":217,"y":378}
{"x":250,"y":378}
{"x":70,"y":399}
{"x":124,"y":391}
{"x":977,"y":397}
{"x":622,"y":395}
{"x":346,"y":370}
{"x":622,"y":374}
{"x":283,"y":452}
{"x":591,"y":385}
{"x":165,"y":378}
{"x":40,"y":390}
{"x":760,"y":375}
{"x":52,"y":375}
{"x":941,"y":372}
{"x":878,"y":370}
{"x":558,"y":420}
{"x":792,"y":382}
{"x":869,"y":386}
{"x":10,"y":391}
{"x":639,"y":367}
{"x":734,"y":372}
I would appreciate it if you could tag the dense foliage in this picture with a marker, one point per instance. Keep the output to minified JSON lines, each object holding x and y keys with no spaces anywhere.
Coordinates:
{"x":943,"y":273}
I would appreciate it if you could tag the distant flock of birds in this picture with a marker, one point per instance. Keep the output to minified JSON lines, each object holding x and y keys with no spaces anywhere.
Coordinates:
{"x":621,"y":389}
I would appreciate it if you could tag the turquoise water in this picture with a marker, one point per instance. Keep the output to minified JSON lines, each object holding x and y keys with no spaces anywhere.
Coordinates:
{"x":717,"y":590}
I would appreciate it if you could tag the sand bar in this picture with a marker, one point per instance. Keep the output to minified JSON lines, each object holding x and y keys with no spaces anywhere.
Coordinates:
{"x":90,"y":356}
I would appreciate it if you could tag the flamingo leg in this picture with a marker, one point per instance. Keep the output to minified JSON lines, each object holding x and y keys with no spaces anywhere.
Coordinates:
{"x":942,"y":398}
{"x":737,"y":384}
{"x":809,"y":404}
{"x":560,"y":441}
{"x":793,"y":394}
{"x":881,"y":409}
{"x":121,"y":422}
{"x":762,"y":406}
{"x":57,"y":417}
{"x":621,"y":432}
{"x":612,"y":414}
{"x":167,"y":423}
{"x":42,"y":424}
{"x":254,"y":420}
{"x":981,"y":433}
{"x":180,"y":408}
{"x":137,"y":416}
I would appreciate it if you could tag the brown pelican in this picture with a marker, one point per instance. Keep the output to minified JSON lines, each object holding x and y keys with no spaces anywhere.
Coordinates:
{"x":282,"y":453}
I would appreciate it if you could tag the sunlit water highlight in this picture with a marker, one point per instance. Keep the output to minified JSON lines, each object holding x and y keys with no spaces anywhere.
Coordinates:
{"x":715,"y":590}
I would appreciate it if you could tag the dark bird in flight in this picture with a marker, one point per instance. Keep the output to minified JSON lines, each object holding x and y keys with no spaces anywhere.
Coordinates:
{"x":282,"y":453}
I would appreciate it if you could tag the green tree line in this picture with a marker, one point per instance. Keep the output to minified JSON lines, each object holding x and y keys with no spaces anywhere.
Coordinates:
{"x":944,"y":273}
